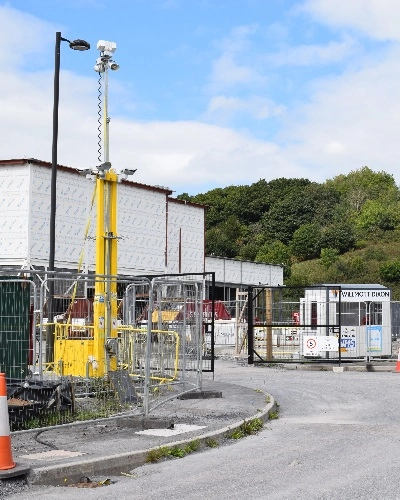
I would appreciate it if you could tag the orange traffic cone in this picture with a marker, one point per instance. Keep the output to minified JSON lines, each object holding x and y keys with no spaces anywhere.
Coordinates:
{"x":397,"y":369}
{"x":6,"y":460}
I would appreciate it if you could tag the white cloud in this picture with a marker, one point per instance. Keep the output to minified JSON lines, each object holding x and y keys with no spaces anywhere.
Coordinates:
{"x":224,"y":107}
{"x":312,"y":55}
{"x":377,"y":19}
{"x":187,"y":156}
{"x":227,"y":71}
{"x":351,"y":120}
{"x":21,"y":37}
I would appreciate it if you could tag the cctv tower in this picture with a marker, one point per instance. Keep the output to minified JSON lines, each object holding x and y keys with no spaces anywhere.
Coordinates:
{"x":105,"y":299}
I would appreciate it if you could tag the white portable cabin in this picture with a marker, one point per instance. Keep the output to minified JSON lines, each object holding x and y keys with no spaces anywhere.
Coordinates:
{"x":361,"y":313}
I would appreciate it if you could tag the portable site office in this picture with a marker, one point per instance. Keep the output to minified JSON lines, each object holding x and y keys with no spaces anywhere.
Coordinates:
{"x":361,"y":313}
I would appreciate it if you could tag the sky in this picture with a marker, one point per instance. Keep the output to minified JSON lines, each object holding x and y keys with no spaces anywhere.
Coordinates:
{"x":210,"y":93}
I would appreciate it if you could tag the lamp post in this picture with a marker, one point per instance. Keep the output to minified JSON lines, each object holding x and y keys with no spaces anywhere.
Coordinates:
{"x":80,"y":45}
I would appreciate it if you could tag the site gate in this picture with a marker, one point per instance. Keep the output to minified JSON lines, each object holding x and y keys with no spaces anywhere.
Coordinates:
{"x":104,"y":354}
{"x":324,"y":324}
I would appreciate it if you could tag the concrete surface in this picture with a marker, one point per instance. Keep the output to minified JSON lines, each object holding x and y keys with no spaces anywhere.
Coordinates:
{"x":63,"y":455}
{"x":115,"y":446}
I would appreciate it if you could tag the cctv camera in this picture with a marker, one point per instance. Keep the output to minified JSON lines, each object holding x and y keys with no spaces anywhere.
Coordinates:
{"x":128,"y":171}
{"x":105,"y":46}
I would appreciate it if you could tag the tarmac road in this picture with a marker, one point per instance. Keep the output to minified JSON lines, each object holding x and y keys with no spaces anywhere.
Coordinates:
{"x":337,"y":437}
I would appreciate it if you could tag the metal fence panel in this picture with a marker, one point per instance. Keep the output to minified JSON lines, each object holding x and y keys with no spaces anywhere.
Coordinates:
{"x":292,"y":324}
{"x":125,"y":349}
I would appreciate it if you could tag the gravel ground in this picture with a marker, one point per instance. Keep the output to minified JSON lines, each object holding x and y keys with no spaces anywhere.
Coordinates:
{"x":12,"y":486}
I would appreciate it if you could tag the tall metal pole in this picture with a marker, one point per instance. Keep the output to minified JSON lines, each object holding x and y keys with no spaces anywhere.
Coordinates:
{"x":75,"y":45}
{"x":53,"y":199}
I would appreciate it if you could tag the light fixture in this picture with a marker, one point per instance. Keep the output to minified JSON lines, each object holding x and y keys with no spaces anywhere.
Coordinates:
{"x":78,"y":44}
{"x":85,"y":171}
{"x":127,"y":171}
{"x":125,"y":174}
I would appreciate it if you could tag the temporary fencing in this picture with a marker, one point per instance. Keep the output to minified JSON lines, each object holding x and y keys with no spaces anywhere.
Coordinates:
{"x":324,"y":324}
{"x":115,"y":345}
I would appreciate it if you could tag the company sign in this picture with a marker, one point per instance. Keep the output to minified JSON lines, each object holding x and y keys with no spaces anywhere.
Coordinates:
{"x":360,"y":295}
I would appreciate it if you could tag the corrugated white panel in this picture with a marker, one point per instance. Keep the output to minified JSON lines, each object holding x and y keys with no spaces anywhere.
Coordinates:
{"x":141,"y":229}
{"x":276,"y":275}
{"x":185,"y":226}
{"x":216,"y":265}
{"x":233,"y":271}
{"x":73,"y":195}
{"x":14,"y":208}
{"x":255,"y":273}
{"x":248,"y":273}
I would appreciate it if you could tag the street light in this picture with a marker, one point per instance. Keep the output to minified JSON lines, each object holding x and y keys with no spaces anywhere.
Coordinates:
{"x":80,"y":45}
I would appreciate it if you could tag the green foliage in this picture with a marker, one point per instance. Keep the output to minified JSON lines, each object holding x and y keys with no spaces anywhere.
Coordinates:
{"x":306,"y":242}
{"x":344,"y":230}
{"x":212,"y":443}
{"x":363,"y":184}
{"x":247,"y":428}
{"x":275,"y":252}
{"x":329,"y":256}
{"x":339,"y":235}
{"x":390,"y":271}
{"x":224,"y":239}
{"x":312,"y":203}
{"x":175,"y":451}
{"x":157,"y":454}
{"x":374,"y":253}
{"x":192,"y":446}
{"x":375,"y":215}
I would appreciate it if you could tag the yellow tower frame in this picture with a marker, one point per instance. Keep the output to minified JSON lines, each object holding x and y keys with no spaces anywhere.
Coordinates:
{"x":105,"y":297}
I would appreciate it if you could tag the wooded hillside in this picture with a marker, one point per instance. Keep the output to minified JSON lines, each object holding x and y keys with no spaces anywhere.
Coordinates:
{"x":345,"y":230}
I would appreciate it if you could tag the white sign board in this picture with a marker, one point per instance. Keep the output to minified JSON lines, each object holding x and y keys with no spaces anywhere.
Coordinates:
{"x":310,"y":345}
{"x":377,"y":295}
{"x":314,"y":344}
{"x":328,"y":343}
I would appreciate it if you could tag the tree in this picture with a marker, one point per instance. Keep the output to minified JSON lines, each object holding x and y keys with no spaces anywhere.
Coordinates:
{"x":224,"y":239}
{"x":306,"y":240}
{"x":329,"y":256}
{"x":390,"y":271}
{"x":363,"y":184}
{"x":339,"y":235}
{"x":275,"y":252}
{"x":377,"y":214}
{"x":308,"y":204}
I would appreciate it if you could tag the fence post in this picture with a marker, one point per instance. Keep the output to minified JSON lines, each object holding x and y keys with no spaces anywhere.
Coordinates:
{"x":250,"y":327}
{"x":147,"y":369}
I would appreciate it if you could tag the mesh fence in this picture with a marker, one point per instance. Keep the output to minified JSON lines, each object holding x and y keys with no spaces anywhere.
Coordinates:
{"x":321,"y":323}
{"x":101,"y":346}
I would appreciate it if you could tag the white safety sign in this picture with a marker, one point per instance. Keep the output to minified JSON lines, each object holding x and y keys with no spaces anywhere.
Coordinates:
{"x":310,"y":345}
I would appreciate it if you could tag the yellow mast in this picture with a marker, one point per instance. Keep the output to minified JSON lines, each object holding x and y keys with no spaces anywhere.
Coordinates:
{"x":105,"y":299}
